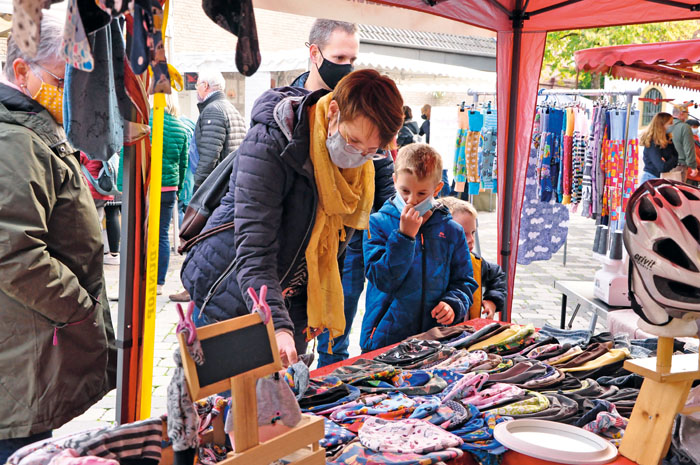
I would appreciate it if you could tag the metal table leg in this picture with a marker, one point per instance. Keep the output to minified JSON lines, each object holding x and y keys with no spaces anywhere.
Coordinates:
{"x":563,"y":311}
{"x":571,"y":321}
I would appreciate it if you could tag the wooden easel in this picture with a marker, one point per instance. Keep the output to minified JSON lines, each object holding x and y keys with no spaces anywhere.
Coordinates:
{"x":251,"y":342}
{"x":667,"y":382}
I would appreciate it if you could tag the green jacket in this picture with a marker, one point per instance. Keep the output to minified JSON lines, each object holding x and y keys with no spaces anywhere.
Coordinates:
{"x":176,"y":145}
{"x":57,"y":352}
{"x":684,"y":143}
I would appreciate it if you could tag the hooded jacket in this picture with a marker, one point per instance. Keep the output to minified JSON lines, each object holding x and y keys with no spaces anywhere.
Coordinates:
{"x":408,"y":277}
{"x":219,"y":131}
{"x":175,"y":150}
{"x":52,"y":286}
{"x":272,"y":201}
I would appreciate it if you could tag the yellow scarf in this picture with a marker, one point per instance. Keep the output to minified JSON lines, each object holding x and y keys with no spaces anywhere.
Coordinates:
{"x":345,"y":198}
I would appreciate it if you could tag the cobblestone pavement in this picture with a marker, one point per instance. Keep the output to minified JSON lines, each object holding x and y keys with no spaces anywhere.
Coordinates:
{"x":535,"y":301}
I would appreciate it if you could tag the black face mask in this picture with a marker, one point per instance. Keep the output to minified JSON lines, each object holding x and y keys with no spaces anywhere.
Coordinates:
{"x":332,"y":73}
{"x":424,"y":116}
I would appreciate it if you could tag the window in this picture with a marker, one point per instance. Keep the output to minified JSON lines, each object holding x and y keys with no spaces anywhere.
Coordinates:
{"x":650,"y":108}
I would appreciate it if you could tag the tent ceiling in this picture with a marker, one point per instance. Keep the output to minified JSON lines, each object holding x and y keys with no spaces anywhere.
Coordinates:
{"x":667,"y":63}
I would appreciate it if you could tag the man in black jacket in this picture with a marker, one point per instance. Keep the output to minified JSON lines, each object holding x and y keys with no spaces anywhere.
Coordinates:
{"x":220,"y":128}
{"x":338,"y":41}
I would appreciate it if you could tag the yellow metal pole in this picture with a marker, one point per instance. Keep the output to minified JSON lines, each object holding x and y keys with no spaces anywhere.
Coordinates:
{"x":149,"y":318}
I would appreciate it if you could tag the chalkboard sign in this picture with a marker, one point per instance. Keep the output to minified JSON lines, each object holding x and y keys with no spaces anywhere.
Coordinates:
{"x":234,"y":347}
{"x":191,"y":81}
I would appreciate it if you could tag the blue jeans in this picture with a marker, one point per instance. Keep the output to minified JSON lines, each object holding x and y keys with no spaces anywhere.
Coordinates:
{"x":10,"y":446}
{"x":646,"y":176}
{"x":353,"y":284}
{"x":167,"y":202}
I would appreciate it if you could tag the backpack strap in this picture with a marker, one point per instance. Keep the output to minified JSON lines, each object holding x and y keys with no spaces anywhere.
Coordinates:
{"x":188,"y":244}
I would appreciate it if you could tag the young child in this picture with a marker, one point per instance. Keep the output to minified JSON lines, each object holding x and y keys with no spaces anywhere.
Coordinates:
{"x":490,"y":297}
{"x":418,"y":275}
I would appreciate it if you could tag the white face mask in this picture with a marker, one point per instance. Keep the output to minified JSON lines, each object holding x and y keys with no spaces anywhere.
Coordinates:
{"x":340,"y":155}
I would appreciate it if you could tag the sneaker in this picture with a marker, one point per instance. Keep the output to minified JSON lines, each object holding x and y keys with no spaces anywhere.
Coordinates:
{"x":110,"y":259}
{"x":183,"y":296}
{"x":159,"y":289}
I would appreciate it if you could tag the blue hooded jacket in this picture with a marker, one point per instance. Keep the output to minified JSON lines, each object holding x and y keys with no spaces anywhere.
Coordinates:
{"x":409,"y":277}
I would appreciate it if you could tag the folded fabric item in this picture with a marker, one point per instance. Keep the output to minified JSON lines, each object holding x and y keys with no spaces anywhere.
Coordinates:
{"x":496,"y":338}
{"x":440,"y":333}
{"x":41,"y":452}
{"x":519,"y":339}
{"x":574,"y":337}
{"x":325,"y":393}
{"x":567,"y":383}
{"x":603,"y":337}
{"x":539,"y":341}
{"x":591,"y":352}
{"x":614,"y":355}
{"x":432,"y":360}
{"x":409,"y":352}
{"x":555,"y":353}
{"x":276,"y":402}
{"x":543,"y":350}
{"x":462,"y":361}
{"x":550,"y":378}
{"x":536,"y":403}
{"x":517,"y":347}
{"x":566,"y":356}
{"x":356,"y":454}
{"x":685,"y":441}
{"x":607,"y":423}
{"x":394,"y":406}
{"x":461,"y":414}
{"x":71,"y":457}
{"x":335,"y":434}
{"x":465,"y":387}
{"x":631,"y":380}
{"x":491,"y":362}
{"x":426,"y":406}
{"x":485,"y":332}
{"x":525,"y":395}
{"x":560,"y":408}
{"x":624,"y":400}
{"x":140,"y":439}
{"x":441,"y":417}
{"x":512,"y":373}
{"x":450,"y":376}
{"x":480,"y":442}
{"x":406,"y":436}
{"x":364,"y":369}
{"x":487,"y":398}
{"x":361,"y":401}
{"x":613,"y":369}
{"x":410,"y":382}
{"x":501,"y":367}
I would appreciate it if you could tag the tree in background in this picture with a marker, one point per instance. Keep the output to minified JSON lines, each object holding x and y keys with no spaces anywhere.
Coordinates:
{"x":559,"y":67}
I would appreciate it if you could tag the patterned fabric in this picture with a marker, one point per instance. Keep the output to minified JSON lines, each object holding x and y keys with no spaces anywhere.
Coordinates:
{"x":183,"y":421}
{"x":140,"y":439}
{"x":405,"y":436}
{"x":534,"y":404}
{"x":335,"y":435}
{"x":76,"y":47}
{"x":459,"y":167}
{"x":357,"y":454}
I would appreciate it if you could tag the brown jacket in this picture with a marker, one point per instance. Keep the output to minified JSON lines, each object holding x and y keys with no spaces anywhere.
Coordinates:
{"x":57,"y":354}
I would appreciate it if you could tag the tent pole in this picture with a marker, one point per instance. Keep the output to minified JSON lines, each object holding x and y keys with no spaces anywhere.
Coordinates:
{"x":125,"y":340}
{"x":510,"y":153}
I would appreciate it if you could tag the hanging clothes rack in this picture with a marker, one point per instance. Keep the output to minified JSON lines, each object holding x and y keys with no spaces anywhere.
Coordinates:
{"x":475,"y":96}
{"x":629,"y":96}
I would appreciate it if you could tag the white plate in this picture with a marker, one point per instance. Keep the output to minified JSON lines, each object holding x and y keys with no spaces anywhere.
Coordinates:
{"x":556,"y":442}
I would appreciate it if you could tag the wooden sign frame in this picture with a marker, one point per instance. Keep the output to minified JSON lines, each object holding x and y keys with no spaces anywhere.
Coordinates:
{"x":228,"y":328}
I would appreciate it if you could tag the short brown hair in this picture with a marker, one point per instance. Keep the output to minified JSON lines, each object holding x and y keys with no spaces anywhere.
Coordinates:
{"x":455,"y":205}
{"x":367,"y":93}
{"x":421,"y":160}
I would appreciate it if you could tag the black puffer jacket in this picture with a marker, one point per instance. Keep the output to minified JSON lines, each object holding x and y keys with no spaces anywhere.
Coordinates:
{"x":220,"y":130}
{"x":272,"y":199}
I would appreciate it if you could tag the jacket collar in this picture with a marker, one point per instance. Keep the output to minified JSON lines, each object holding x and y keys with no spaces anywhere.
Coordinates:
{"x":213,"y":97}
{"x":17,"y":108}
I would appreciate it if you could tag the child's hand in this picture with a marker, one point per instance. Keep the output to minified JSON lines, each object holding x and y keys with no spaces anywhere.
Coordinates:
{"x":410,"y":221}
{"x":443,"y":313}
{"x":489,"y":309}
{"x":693,"y":172}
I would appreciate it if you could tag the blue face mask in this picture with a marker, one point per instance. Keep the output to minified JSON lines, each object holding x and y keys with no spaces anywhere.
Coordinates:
{"x":422,"y":208}
{"x":340,"y":155}
{"x":669,"y":130}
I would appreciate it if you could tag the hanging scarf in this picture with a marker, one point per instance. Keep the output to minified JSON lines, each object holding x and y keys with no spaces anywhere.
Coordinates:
{"x":345,"y":198}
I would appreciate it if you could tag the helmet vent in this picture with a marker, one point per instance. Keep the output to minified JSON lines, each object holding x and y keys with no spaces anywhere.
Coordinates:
{"x":668,"y":249}
{"x":689,"y":195}
{"x":692,"y":224}
{"x":677,"y":291}
{"x":671,"y":195}
{"x":647,"y":211}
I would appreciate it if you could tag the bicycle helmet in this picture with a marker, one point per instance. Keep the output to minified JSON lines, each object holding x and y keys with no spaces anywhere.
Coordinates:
{"x":662,"y":238}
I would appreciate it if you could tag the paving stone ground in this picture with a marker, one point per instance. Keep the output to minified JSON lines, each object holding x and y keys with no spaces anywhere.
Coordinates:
{"x":535,"y":301}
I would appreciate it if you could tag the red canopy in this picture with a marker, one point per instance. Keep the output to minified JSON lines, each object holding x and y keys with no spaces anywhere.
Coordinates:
{"x":522,"y":28}
{"x":668,"y":63}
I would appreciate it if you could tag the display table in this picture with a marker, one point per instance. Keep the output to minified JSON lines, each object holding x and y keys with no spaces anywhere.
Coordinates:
{"x":580,"y":293}
{"x":510,"y":457}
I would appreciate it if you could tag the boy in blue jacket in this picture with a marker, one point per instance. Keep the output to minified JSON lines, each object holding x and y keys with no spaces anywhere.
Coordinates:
{"x":419,"y":276}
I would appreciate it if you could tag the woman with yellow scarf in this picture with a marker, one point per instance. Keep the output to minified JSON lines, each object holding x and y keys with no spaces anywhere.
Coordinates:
{"x":300,"y":187}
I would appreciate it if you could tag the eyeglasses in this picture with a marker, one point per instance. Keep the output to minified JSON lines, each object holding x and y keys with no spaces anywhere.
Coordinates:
{"x":373,"y":154}
{"x":59,"y":81}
